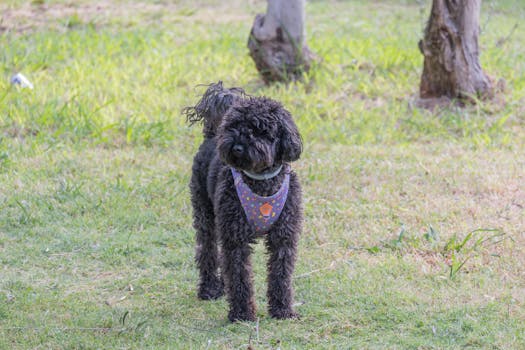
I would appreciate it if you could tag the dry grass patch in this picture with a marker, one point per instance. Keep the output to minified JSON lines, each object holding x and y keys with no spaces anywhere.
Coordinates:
{"x":63,"y":15}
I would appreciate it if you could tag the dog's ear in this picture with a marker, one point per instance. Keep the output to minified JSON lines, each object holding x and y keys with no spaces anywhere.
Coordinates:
{"x":291,"y":143}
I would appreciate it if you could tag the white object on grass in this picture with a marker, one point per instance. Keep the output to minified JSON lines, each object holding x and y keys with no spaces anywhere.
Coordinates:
{"x":20,"y":79}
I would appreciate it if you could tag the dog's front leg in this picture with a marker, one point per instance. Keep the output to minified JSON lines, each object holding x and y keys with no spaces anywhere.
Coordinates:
{"x":237,"y":272}
{"x":281,"y":244}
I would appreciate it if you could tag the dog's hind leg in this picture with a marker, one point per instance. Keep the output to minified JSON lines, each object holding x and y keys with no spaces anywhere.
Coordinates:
{"x":211,"y":285}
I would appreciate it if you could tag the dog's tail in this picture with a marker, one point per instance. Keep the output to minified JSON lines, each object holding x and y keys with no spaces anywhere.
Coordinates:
{"x":214,"y":103}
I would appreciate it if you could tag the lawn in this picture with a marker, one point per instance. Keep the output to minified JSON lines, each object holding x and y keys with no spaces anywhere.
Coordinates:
{"x":414,"y":219}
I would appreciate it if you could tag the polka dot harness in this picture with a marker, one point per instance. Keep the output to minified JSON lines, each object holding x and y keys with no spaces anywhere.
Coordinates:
{"x":261,"y":212}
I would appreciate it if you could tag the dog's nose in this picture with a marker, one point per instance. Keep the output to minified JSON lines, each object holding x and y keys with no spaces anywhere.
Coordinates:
{"x":237,"y":150}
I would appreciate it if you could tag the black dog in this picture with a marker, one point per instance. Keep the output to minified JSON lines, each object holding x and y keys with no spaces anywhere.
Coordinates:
{"x":251,"y":139}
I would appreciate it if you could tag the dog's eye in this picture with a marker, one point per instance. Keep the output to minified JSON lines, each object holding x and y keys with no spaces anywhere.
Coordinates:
{"x":234,"y":132}
{"x":263,"y":132}
{"x":247,"y":132}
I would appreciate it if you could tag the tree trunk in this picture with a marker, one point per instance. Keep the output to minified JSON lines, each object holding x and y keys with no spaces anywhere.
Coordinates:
{"x":277,"y":41}
{"x":450,"y":46}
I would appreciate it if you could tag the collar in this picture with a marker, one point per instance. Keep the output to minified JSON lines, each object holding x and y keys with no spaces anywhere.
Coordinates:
{"x":270,"y":174}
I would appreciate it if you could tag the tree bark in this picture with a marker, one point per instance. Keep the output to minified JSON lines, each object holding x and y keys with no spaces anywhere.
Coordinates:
{"x":277,"y":41}
{"x":450,"y":47}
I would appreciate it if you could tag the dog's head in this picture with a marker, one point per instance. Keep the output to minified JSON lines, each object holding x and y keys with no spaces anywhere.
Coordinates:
{"x":257,"y":134}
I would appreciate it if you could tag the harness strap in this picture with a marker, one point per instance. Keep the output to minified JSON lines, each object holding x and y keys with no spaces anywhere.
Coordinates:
{"x":261,"y":212}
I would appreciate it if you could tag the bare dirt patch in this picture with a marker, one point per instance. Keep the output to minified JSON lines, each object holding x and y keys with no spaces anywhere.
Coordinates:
{"x":31,"y":16}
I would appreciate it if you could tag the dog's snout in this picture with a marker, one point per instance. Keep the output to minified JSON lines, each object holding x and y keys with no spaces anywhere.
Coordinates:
{"x":238,"y":150}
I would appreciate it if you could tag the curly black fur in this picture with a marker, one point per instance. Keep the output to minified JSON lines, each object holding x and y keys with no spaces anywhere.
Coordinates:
{"x":212,"y":106}
{"x":253,"y":134}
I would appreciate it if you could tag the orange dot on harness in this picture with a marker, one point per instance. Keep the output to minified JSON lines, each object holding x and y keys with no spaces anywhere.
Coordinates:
{"x":266,"y":209}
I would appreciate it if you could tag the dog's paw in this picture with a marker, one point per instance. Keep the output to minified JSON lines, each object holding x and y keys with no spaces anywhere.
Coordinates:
{"x":211,"y":290}
{"x":210,"y":294}
{"x":283,"y":314}
{"x":234,"y":316}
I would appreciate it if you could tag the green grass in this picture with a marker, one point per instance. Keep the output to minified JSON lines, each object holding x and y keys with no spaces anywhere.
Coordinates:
{"x":414,"y":227}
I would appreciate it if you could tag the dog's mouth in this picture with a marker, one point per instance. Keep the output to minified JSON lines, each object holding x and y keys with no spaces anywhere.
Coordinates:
{"x":238,"y":162}
{"x":255,"y":162}
{"x":259,"y":166}
{"x":246,"y":165}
